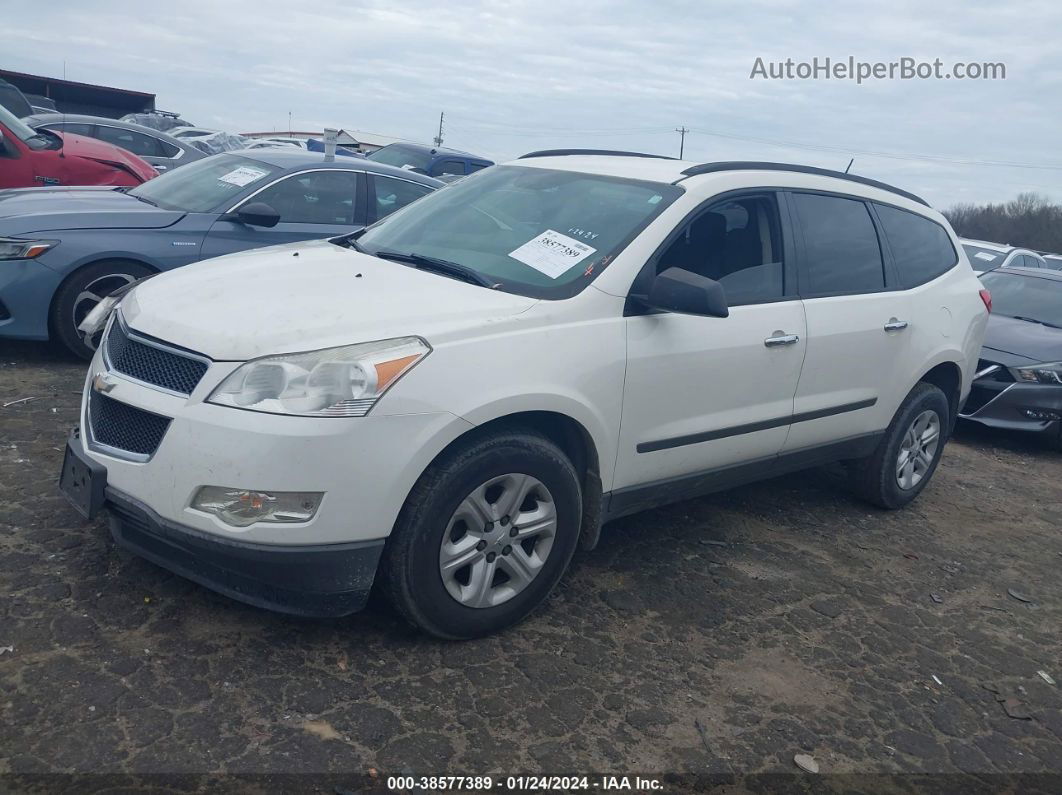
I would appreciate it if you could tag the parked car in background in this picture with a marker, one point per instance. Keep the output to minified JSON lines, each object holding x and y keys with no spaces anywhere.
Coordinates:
{"x":433,"y":161}
{"x":68,"y":248}
{"x":284,"y":139}
{"x":41,"y":104}
{"x":14,"y":100}
{"x":158,"y":148}
{"x":459,"y":396}
{"x":1019,"y":375}
{"x":1053,"y":261}
{"x":161,"y":120}
{"x":986,"y":256}
{"x":191,"y":132}
{"x":32,"y":158}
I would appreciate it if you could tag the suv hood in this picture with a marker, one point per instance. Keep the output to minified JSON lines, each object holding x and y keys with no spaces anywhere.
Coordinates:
{"x":27,"y":210}
{"x":1032,"y":341}
{"x":306,"y":296}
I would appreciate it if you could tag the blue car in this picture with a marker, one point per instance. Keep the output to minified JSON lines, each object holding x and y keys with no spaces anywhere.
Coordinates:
{"x":430,"y":160}
{"x":66,"y":248}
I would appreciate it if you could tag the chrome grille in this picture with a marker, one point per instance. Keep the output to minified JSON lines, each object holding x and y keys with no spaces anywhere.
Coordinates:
{"x":123,"y":427}
{"x":139,"y":358}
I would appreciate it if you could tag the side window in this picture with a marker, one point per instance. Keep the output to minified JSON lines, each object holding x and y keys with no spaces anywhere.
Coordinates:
{"x":474,"y":167}
{"x":841,"y":246}
{"x":448,"y":167}
{"x":1030,"y":262}
{"x":137,"y":143}
{"x":165,"y":148}
{"x":920,"y":248}
{"x":73,"y":128}
{"x":313,"y":197}
{"x":738,"y":243}
{"x":393,"y":194}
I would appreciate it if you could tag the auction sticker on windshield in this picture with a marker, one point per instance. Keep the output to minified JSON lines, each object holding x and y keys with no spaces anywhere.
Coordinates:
{"x":241,"y":176}
{"x":552,"y":253}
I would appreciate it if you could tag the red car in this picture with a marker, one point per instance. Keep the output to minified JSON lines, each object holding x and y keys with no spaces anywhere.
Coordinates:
{"x":31,"y":158}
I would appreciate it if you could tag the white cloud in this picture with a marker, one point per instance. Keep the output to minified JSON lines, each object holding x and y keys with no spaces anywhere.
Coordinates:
{"x":515,"y":75}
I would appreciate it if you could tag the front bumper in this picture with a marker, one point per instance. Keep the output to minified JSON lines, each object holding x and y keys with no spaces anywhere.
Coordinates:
{"x":26,"y":290}
{"x":1002,"y":404}
{"x":320,"y":580}
{"x":309,"y":580}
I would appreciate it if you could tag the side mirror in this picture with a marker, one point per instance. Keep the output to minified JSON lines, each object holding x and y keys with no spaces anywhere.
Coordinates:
{"x":688,"y":293}
{"x":258,"y":214}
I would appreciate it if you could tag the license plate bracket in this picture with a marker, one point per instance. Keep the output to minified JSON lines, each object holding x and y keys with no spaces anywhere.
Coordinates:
{"x":83,"y":481}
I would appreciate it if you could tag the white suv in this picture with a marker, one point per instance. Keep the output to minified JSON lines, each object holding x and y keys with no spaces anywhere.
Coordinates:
{"x":452,"y":401}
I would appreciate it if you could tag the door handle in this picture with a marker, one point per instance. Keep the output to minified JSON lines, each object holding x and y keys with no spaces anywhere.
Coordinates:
{"x":895,"y":325}
{"x":781,"y":339}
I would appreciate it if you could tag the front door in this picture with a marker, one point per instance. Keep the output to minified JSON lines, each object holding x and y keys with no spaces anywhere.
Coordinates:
{"x":705,"y":394}
{"x":312,"y":204}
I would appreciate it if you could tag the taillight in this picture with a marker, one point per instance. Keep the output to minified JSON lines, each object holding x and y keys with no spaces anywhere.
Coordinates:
{"x":986,"y":296}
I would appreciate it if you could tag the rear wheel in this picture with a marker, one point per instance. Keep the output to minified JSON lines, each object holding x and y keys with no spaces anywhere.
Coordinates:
{"x":81,"y":292}
{"x":907,"y":456}
{"x":484,"y":536}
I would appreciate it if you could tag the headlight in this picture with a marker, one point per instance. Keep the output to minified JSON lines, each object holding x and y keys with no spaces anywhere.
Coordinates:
{"x":1038,"y":374}
{"x":13,"y":248}
{"x":334,"y":382}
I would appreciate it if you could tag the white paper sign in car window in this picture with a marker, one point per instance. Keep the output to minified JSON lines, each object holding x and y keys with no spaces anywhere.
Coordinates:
{"x":983,"y":255}
{"x":242,"y":175}
{"x":552,"y":253}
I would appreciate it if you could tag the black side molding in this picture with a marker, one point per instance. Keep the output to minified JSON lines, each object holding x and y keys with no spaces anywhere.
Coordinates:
{"x":752,"y":427}
{"x":756,"y":165}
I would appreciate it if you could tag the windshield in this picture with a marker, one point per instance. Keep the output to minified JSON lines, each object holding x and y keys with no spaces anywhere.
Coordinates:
{"x":532,"y":231}
{"x":22,"y":131}
{"x":401,"y":157}
{"x":984,"y":259}
{"x":1032,"y":297}
{"x":205,"y":185}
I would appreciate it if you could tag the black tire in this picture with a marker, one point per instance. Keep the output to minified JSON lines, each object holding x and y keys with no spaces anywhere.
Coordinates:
{"x":410,"y":574}
{"x":874,"y":478}
{"x":68,"y":310}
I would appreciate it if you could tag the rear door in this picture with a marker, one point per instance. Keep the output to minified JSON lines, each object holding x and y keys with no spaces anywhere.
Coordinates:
{"x":705,"y":394}
{"x":312,"y":204}
{"x":857,"y":329}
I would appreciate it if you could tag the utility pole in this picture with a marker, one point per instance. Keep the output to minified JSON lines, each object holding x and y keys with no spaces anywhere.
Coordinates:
{"x":289,"y":122}
{"x":682,"y":140}
{"x":438,"y":138}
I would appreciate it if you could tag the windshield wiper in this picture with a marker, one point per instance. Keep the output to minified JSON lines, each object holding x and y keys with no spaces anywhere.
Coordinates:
{"x":142,"y":199}
{"x":349,"y":241}
{"x":1034,"y":320}
{"x":445,"y":267}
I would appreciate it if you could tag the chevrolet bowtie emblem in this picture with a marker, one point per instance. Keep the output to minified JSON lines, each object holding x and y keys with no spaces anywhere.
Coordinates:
{"x":101,"y":383}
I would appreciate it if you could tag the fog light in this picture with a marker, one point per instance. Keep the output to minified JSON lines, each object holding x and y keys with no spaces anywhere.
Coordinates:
{"x":1041,"y":414}
{"x":242,"y":507}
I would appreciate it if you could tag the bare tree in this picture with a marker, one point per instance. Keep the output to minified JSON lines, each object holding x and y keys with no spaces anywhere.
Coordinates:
{"x":1030,"y":220}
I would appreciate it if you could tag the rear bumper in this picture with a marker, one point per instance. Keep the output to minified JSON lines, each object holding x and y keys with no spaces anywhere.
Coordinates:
{"x":1012,"y":406}
{"x":319,"y":580}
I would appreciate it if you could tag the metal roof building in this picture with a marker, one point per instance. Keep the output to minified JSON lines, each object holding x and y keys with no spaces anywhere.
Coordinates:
{"x":73,"y":97}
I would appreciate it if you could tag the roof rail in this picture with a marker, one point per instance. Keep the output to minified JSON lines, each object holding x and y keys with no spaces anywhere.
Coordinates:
{"x":756,"y":165}
{"x":609,"y":152}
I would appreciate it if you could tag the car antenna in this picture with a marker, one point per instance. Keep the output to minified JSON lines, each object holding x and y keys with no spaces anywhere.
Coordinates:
{"x":849,"y":165}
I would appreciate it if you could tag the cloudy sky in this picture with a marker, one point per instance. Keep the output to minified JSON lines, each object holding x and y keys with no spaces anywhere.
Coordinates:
{"x":516,"y":75}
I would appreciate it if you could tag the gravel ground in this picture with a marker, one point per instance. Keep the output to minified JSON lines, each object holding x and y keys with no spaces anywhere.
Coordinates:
{"x":721,"y":636}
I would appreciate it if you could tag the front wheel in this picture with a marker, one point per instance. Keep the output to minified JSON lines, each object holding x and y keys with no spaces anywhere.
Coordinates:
{"x":484,"y":536}
{"x":80,"y":293}
{"x":907,"y":456}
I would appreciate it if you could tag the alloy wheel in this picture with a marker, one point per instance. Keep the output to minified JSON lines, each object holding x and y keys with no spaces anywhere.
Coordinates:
{"x":94,"y":292}
{"x":918,"y":449}
{"x":497,"y":541}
